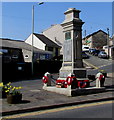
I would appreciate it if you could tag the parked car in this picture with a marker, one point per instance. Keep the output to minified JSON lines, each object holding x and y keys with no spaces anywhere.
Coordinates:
{"x":91,"y":50}
{"x":84,"y":55}
{"x":102,"y":54}
{"x":96,"y":52}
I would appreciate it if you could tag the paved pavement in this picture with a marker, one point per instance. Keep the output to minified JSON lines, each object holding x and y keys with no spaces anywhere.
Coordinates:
{"x":35,"y":98}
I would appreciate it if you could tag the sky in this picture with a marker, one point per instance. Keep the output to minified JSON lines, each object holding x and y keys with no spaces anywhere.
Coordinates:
{"x":16,"y":17}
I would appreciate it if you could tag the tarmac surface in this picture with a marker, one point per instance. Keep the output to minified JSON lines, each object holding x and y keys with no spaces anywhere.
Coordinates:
{"x":35,"y":98}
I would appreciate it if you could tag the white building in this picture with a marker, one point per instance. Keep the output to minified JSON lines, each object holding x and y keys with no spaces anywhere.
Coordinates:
{"x":109,"y":49}
{"x":40,"y":41}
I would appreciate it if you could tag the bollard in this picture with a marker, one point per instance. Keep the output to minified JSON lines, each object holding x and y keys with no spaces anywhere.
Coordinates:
{"x":49,"y":78}
{"x":100,"y":80}
{"x":71,"y":81}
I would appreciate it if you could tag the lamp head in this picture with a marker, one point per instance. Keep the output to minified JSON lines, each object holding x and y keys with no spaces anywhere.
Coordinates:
{"x":40,"y":3}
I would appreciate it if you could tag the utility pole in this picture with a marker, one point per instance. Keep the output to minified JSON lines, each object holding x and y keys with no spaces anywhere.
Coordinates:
{"x":85,"y":36}
{"x":85,"y":33}
{"x":108,"y":40}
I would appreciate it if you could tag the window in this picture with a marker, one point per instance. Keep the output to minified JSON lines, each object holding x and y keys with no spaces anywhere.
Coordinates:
{"x":26,"y":56}
{"x":86,"y":47}
{"x":50,"y":48}
{"x":42,"y":57}
{"x":67,"y":35}
{"x":15,"y":56}
{"x":3,"y":50}
{"x":56,"y":52}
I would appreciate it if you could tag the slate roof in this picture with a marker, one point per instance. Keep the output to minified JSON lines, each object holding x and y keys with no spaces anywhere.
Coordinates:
{"x":95,"y":33}
{"x":19,"y":44}
{"x":47,"y":41}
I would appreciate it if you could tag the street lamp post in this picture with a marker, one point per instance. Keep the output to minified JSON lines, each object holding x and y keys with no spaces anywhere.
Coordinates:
{"x":32,"y":39}
{"x":32,"y":50}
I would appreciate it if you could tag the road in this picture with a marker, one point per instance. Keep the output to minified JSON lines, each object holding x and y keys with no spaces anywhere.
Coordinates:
{"x":35,"y":87}
{"x":93,"y":110}
{"x":99,"y":63}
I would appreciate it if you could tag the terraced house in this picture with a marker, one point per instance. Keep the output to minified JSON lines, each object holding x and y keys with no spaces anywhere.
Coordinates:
{"x":96,"y":40}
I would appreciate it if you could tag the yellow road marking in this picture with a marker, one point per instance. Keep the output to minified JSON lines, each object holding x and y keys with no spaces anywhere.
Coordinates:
{"x":90,"y":64}
{"x":56,"y":110}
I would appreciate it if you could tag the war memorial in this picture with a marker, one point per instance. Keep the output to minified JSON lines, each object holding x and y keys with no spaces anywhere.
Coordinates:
{"x":72,"y":79}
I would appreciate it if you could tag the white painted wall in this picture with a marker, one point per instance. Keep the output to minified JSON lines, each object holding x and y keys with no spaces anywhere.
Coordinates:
{"x":106,"y":50}
{"x":29,"y":53}
{"x":54,"y":33}
{"x":36,"y":42}
{"x":113,"y":39}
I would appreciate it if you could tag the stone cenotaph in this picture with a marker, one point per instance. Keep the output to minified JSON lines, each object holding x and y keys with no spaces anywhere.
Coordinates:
{"x":72,"y":46}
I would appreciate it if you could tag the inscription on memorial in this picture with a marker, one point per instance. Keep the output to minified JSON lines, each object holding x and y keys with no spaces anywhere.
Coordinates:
{"x":67,"y":51}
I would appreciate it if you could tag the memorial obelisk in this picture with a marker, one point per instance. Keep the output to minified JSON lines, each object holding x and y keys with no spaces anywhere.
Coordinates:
{"x":72,"y":47}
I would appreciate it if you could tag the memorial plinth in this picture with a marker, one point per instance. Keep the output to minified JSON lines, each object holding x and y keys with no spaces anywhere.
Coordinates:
{"x":72,"y":46}
{"x":75,"y":92}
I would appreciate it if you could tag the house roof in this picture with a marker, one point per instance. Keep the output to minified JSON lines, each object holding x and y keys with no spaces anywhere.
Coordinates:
{"x":94,"y":34}
{"x":47,"y":41}
{"x":19,"y":44}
